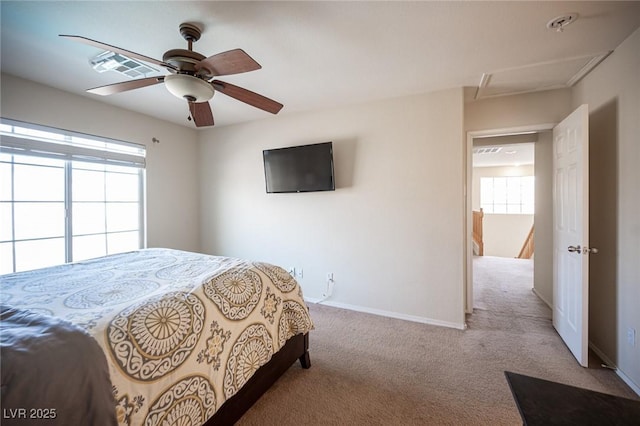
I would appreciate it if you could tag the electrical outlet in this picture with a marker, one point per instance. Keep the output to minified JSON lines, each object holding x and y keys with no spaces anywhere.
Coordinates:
{"x":292,"y":271}
{"x":300,"y":273}
{"x":631,"y":336}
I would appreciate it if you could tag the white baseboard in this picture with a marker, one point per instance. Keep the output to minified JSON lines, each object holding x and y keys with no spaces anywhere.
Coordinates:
{"x":612,"y":364}
{"x":628,"y":381}
{"x":384,"y":313}
{"x":602,"y":356}
{"x":542,"y":298}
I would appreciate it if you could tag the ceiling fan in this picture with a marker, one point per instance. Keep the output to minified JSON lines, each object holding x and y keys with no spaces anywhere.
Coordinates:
{"x":191,"y":75}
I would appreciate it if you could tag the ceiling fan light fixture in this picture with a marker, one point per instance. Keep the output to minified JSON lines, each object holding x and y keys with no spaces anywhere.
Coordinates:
{"x":185,"y":86}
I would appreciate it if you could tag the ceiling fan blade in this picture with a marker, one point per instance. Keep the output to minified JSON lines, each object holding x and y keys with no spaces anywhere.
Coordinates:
{"x":201,"y":113}
{"x":124,"y":86}
{"x":115,"y":49}
{"x":231,"y":62}
{"x":248,"y":97}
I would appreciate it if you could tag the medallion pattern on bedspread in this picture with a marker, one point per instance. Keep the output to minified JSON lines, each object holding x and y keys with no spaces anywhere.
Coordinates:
{"x":251,"y":350}
{"x":215,"y":346}
{"x":109,"y":294}
{"x":236,"y":293}
{"x":191,"y":401}
{"x":142,"y":262}
{"x":293,"y":320}
{"x":61,"y":283}
{"x":126,"y":407}
{"x":150,"y":340}
{"x":188,"y":269}
{"x":280,"y":278}
{"x":270,"y":306}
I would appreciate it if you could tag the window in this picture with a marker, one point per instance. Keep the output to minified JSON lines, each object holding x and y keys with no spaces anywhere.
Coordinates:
{"x":66,"y":197}
{"x":507,"y":195}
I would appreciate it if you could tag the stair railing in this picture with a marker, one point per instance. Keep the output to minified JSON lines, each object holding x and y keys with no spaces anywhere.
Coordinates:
{"x":477,"y":231}
{"x":526,"y":252}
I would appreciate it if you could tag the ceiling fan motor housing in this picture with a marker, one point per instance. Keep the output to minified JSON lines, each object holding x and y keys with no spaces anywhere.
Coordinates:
{"x":184,"y":60}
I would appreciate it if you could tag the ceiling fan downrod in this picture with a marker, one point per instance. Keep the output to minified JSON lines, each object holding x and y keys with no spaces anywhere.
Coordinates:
{"x":191,"y":33}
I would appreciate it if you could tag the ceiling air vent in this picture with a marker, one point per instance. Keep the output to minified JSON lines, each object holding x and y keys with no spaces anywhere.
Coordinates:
{"x":487,"y":150}
{"x":110,"y":61}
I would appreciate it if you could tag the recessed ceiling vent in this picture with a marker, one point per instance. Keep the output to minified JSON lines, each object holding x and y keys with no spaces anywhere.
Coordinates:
{"x":487,"y":150}
{"x":559,"y":22}
{"x":110,"y":61}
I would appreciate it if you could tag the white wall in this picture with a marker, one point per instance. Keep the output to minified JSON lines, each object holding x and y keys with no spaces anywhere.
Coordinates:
{"x":503,"y":234}
{"x":172,"y":179}
{"x":391,"y":233}
{"x":543,"y":232}
{"x":501,"y":112}
{"x":612,"y":92}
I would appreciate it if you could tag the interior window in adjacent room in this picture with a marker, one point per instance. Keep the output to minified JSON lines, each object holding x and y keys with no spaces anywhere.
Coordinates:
{"x":507,"y":194}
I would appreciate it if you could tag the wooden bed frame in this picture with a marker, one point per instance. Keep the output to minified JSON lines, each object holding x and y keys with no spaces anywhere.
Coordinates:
{"x":296,"y":348}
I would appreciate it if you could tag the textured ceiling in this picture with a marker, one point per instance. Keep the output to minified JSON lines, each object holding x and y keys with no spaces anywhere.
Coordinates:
{"x":314,"y":54}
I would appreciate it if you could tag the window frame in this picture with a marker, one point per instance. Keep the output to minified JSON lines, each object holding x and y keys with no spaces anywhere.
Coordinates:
{"x":72,"y":148}
{"x":489,"y":207}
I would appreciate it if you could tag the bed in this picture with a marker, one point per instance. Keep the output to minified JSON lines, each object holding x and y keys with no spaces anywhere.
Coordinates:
{"x":150,"y":337}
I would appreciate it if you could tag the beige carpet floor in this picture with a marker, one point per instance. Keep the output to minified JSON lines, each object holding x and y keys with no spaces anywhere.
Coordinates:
{"x":372,"y":370}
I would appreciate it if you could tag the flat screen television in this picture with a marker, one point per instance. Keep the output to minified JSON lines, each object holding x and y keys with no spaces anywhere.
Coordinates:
{"x":304,"y":168}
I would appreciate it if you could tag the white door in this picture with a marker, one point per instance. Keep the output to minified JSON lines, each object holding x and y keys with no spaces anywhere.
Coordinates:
{"x":571,"y":232}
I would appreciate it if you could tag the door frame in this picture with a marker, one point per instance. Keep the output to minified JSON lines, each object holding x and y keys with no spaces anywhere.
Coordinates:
{"x":468,"y":214}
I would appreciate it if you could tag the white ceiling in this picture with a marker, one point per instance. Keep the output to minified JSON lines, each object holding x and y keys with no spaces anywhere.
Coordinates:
{"x":314,"y":54}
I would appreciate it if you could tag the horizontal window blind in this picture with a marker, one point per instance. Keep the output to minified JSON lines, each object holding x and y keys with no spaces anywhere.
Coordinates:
{"x":40,"y":141}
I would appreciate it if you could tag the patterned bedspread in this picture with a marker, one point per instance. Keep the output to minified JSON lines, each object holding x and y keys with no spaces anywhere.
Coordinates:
{"x":181,"y":331}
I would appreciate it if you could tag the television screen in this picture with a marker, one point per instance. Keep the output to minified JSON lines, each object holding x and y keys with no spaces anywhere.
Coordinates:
{"x":304,"y":168}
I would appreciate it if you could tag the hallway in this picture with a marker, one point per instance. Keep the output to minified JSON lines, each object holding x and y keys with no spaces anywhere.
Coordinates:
{"x":504,"y":286}
{"x":505,"y":305}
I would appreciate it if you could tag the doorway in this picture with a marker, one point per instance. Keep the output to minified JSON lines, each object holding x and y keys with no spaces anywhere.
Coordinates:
{"x":540,"y":136}
{"x":503,"y":205}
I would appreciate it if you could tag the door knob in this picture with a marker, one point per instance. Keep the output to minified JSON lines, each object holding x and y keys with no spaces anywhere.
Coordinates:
{"x":590,"y":250}
{"x":575,"y":249}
